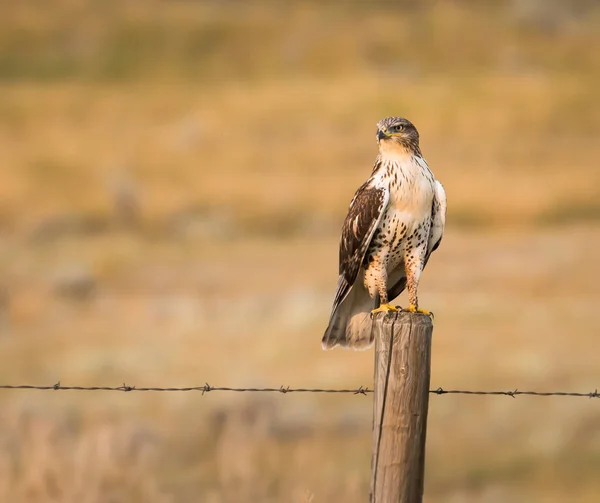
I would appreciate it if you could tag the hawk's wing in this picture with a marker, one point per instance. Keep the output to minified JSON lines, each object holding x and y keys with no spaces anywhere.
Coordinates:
{"x":364,"y":215}
{"x":438,"y":220}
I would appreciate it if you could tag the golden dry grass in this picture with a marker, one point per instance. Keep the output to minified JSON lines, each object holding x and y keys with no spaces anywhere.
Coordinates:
{"x":173,"y":182}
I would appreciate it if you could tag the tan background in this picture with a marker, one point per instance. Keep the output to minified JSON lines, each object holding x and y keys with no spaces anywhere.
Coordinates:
{"x":173,"y":178}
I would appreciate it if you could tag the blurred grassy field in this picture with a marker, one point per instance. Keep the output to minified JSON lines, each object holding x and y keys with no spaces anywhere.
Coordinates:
{"x":173,"y":179}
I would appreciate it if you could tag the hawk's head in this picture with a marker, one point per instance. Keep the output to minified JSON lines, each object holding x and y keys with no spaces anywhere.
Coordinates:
{"x":397,"y":133}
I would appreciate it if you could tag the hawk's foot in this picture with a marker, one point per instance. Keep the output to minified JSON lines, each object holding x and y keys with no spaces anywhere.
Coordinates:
{"x":413,"y":309}
{"x":384,"y":308}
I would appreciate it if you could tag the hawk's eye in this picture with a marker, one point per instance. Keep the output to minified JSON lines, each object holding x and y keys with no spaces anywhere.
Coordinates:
{"x":399,"y":127}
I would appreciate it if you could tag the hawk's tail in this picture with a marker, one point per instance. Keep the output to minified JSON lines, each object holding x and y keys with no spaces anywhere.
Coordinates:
{"x":350,"y":325}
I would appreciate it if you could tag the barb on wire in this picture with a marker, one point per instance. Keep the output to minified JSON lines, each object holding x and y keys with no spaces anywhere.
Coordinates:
{"x":361,"y":390}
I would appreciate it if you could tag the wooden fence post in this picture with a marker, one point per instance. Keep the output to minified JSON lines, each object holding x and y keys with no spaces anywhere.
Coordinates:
{"x":400,"y":403}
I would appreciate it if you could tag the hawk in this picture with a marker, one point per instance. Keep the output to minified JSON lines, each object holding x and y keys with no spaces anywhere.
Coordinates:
{"x":395,"y":222}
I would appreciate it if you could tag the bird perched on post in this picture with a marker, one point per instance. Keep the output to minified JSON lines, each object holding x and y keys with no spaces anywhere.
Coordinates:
{"x":395,"y":221}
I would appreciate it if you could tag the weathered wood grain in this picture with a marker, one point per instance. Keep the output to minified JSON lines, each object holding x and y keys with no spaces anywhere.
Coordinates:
{"x":401,"y":398}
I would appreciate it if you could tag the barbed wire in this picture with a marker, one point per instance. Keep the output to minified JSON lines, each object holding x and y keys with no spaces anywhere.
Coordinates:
{"x":361,"y":390}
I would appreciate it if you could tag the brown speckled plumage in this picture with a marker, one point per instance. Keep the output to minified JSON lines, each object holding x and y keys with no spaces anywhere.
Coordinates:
{"x":395,"y":221}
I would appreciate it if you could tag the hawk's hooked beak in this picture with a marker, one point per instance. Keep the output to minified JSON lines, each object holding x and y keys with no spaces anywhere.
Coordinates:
{"x":381,"y":134}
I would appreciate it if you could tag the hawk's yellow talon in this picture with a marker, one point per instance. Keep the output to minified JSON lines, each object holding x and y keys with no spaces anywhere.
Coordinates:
{"x":413,"y":309}
{"x":384,"y":308}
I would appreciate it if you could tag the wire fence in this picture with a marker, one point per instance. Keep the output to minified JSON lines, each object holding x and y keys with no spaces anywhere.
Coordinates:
{"x":361,"y":390}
